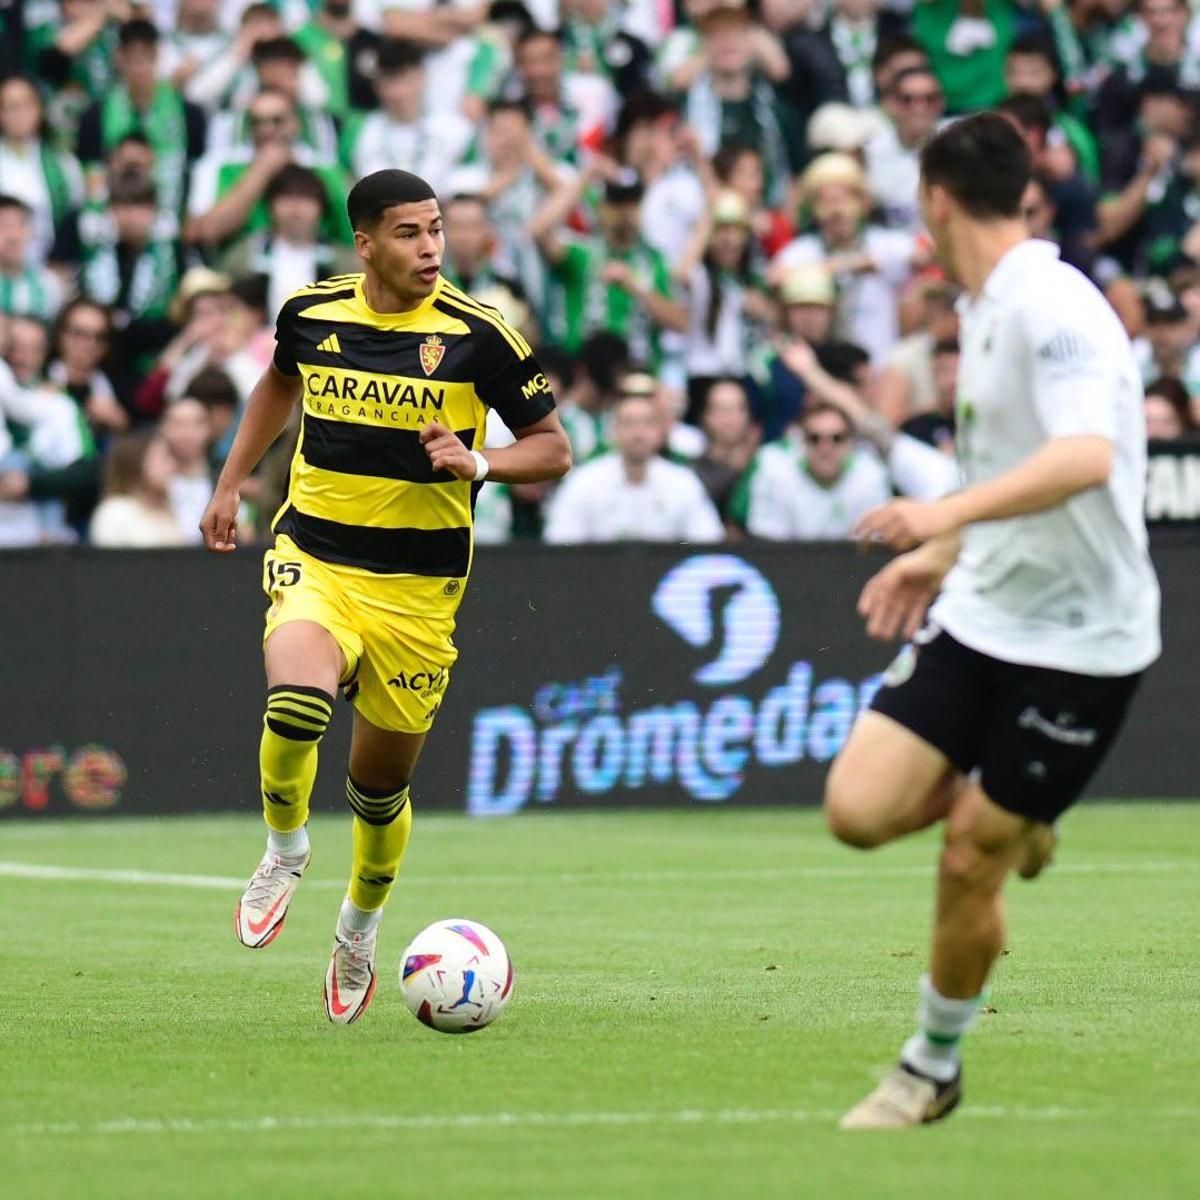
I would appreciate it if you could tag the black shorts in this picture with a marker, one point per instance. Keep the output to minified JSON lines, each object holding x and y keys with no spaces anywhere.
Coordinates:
{"x":1035,"y":735}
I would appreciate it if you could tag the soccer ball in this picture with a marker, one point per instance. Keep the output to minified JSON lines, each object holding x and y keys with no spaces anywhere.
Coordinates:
{"x":455,"y":976}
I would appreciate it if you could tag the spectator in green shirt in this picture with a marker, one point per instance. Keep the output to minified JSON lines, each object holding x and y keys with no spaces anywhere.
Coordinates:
{"x":337,"y":45}
{"x":967,"y":41}
{"x":611,"y":280}
{"x":228,"y":190}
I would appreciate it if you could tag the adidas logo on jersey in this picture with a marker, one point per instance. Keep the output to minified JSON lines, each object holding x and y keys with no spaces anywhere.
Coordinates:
{"x":330,"y":345}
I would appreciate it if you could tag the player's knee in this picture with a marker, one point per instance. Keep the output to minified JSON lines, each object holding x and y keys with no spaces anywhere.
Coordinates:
{"x":376,"y":805}
{"x":969,"y":863}
{"x":298,"y":712}
{"x":850,"y":815}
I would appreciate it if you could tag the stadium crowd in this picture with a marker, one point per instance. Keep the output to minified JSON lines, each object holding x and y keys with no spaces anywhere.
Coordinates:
{"x":704,"y":215}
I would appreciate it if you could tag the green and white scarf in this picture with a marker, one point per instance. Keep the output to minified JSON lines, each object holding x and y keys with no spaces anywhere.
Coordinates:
{"x":164,"y":126}
{"x":155,"y":276}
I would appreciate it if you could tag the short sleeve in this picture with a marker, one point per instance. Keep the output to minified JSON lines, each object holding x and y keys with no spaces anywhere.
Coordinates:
{"x":508,"y":377}
{"x":285,"y":341}
{"x":1073,"y":380}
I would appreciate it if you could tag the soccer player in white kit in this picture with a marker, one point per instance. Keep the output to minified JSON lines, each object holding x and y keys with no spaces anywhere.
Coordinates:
{"x":1029,"y":597}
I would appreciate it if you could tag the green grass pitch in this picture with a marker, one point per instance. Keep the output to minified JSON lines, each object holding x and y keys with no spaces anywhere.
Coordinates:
{"x":699,"y":995}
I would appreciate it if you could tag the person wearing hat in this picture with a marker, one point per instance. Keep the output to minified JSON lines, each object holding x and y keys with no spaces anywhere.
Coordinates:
{"x":869,"y":263}
{"x":807,"y":306}
{"x":732,"y":100}
{"x":610,"y":280}
{"x":725,"y":296}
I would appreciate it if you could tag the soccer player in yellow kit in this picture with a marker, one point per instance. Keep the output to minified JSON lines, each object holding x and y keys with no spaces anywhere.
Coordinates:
{"x":395,"y":370}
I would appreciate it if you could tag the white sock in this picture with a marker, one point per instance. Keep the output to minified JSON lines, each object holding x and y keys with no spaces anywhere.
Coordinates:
{"x":353,"y":919}
{"x":288,"y":845}
{"x":941,"y":1022}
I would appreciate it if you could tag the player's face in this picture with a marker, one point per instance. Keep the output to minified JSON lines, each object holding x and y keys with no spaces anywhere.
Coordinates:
{"x":404,"y":251}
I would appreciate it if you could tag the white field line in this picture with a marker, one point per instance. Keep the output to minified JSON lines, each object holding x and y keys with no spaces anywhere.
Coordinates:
{"x":534,"y":1120}
{"x":45,"y":871}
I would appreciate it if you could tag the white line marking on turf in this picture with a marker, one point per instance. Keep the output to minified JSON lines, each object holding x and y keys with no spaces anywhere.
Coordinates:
{"x":508,"y":1120}
{"x":46,"y":871}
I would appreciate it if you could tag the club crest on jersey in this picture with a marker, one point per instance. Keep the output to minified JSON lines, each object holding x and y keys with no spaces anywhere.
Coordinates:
{"x":431,"y":352}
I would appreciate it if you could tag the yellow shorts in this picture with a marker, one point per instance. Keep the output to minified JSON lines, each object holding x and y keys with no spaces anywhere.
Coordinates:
{"x":397,"y":663}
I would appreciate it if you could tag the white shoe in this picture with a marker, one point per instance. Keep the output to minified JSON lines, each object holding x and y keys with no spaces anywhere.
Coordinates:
{"x":903,"y":1099}
{"x":264,"y":904}
{"x":350,"y":980}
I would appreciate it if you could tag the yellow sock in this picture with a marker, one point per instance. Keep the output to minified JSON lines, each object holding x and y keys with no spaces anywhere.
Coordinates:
{"x":296,"y":718}
{"x":382,"y":823}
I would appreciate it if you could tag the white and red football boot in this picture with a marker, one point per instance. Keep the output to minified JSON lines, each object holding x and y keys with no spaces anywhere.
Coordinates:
{"x":264,"y":904}
{"x":350,"y":980}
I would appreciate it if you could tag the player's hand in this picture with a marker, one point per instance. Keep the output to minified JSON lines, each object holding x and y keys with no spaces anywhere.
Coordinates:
{"x":219,"y":523}
{"x":903,"y":524}
{"x":895,"y":601}
{"x":446,"y":451}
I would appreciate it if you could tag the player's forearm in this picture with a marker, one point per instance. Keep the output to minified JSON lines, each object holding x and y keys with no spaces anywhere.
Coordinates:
{"x":939,"y":554}
{"x":538,"y":456}
{"x":1062,"y":468}
{"x":264,"y":420}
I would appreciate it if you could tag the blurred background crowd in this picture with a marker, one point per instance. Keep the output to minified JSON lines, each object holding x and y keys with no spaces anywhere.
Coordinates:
{"x":703,"y":214}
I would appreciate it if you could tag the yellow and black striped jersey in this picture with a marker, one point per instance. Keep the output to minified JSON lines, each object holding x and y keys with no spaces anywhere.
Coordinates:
{"x":362,"y":493}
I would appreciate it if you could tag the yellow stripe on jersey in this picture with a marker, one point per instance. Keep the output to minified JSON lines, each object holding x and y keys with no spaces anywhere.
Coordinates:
{"x":391,"y":401}
{"x":379,"y":503}
{"x":350,"y":310}
{"x":451,"y":295}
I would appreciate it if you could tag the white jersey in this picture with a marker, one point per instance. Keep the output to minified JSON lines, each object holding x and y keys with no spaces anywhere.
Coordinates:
{"x":598,"y":502}
{"x":1071,"y":588}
